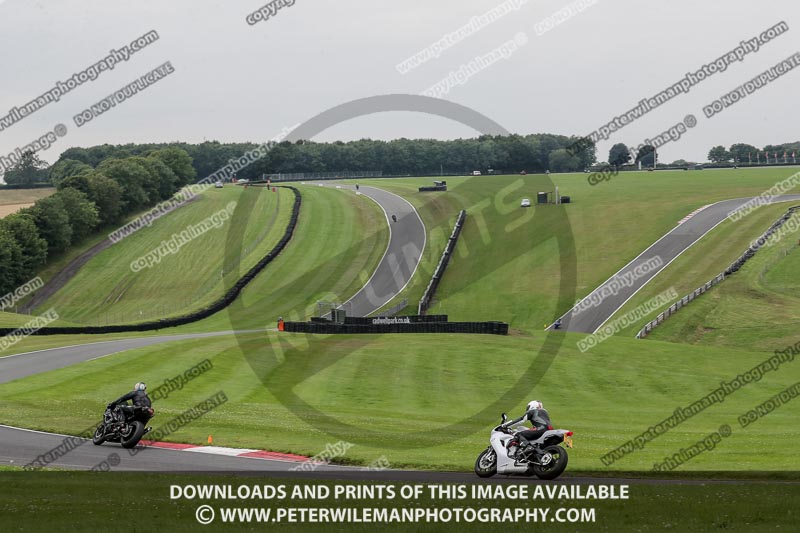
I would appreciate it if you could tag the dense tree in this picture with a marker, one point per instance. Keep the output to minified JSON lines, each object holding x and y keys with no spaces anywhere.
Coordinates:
{"x":510,"y":153}
{"x":152,"y":183}
{"x":10,"y":261}
{"x":646,"y":156}
{"x":107,"y":196}
{"x":65,"y":168}
{"x":52,"y":221}
{"x":134,"y":179}
{"x":719,"y":154}
{"x":34,"y":248}
{"x":83,"y":216}
{"x":29,"y":170}
{"x":619,"y":155}
{"x":743,"y":153}
{"x":562,"y":161}
{"x":179,"y":162}
{"x":79,"y":182}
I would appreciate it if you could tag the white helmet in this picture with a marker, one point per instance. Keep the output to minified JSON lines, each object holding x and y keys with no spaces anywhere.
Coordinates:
{"x":140,"y":386}
{"x":535,"y":404}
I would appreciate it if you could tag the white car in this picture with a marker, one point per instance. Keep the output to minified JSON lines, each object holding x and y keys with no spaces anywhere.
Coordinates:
{"x":218,"y":185}
{"x":476,"y":172}
{"x":525,"y":202}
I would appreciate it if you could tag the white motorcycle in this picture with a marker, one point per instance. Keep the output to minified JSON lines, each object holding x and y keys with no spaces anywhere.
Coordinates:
{"x":543,"y":457}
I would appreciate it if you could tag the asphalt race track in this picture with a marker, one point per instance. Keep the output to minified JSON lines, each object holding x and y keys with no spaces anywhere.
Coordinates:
{"x":394,"y":271}
{"x":19,"y":446}
{"x":27,"y":364}
{"x":402,"y":256}
{"x":668,"y":248}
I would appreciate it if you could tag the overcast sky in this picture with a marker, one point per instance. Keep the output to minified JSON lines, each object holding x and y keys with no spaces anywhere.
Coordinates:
{"x":239,"y":82}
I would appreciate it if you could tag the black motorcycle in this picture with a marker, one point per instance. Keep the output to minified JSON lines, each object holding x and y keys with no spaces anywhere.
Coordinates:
{"x":123,"y":427}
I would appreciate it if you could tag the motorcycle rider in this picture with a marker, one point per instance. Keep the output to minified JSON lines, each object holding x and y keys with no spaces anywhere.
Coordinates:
{"x":538,"y":417}
{"x":139,"y":397}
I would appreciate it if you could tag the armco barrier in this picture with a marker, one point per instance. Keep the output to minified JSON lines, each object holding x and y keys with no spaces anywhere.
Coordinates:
{"x":425,"y":302}
{"x":487,"y":328}
{"x":206,"y":312}
{"x":734,"y":267}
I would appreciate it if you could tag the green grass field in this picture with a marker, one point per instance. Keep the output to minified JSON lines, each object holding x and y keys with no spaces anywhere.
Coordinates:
{"x":506,"y":265}
{"x":758,"y":307}
{"x":106,"y":290}
{"x":429,"y":401}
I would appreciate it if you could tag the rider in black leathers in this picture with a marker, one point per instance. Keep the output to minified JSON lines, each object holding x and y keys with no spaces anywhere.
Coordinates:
{"x":539,"y":419}
{"x":139,"y":397}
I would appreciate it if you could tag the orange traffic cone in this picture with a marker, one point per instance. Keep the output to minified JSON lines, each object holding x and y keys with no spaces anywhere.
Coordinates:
{"x":210,"y":439}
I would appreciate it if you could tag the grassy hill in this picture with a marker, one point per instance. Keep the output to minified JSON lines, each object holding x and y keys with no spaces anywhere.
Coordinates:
{"x":506,"y":265}
{"x":108,"y":290}
{"x":756,"y":308}
{"x":430,"y":400}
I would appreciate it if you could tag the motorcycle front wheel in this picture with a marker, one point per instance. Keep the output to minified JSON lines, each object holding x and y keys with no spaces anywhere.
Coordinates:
{"x":98,"y":437}
{"x":134,"y":435}
{"x":555,"y":467}
{"x":486,"y":464}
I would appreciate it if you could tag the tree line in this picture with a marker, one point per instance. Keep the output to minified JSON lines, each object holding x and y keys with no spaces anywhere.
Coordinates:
{"x":88,"y":198}
{"x":503,"y":153}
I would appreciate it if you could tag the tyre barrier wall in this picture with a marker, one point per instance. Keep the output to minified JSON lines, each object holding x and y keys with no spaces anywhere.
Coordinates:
{"x":206,"y":312}
{"x":406,"y":319}
{"x":734,"y":267}
{"x":425,"y":302}
{"x":488,"y":328}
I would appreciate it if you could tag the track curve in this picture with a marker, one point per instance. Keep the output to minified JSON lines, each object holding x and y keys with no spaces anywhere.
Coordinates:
{"x":667,"y":248}
{"x":20,"y":446}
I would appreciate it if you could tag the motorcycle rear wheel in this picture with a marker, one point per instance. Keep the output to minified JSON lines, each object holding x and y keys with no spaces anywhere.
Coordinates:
{"x":98,"y":437}
{"x":486,"y":464}
{"x":556,"y":467}
{"x":134,"y":436}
